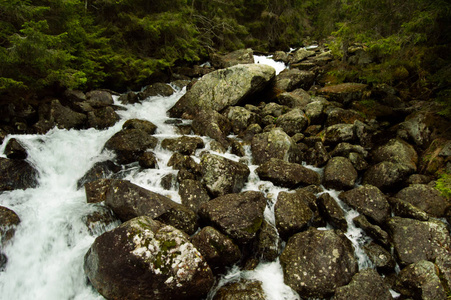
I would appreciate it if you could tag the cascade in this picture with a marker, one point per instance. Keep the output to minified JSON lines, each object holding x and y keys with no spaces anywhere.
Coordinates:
{"x":45,"y":258}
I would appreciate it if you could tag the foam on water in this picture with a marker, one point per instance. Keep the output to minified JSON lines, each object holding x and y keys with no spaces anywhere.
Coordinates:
{"x":266,"y":60}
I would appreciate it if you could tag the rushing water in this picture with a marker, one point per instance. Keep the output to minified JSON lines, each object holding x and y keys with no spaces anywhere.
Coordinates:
{"x":45,"y":257}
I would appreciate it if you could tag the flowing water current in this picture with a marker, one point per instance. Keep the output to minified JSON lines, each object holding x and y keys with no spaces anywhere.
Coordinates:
{"x":45,"y":257}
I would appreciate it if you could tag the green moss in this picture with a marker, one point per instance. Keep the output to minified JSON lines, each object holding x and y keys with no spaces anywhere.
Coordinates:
{"x":443,"y":184}
{"x":257,"y":223}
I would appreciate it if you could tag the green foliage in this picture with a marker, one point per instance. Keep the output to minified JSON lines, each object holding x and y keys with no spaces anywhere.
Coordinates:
{"x":443,"y":184}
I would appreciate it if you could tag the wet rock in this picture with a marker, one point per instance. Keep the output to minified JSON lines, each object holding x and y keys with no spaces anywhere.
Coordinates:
{"x":99,"y":98}
{"x":420,"y":280}
{"x":145,"y":259}
{"x":241,"y":290}
{"x":268,"y":244}
{"x":100,"y":220}
{"x":300,"y":55}
{"x":102,"y":118}
{"x":14,"y":150}
{"x":373,"y":231}
{"x":217,"y":249}
{"x":129,"y":144}
{"x":193,"y":194}
{"x":240,"y":118}
{"x":369,"y":201}
{"x":425,"y":198}
{"x":343,"y":93}
{"x":241,"y":56}
{"x":287,"y":174}
{"x":222,"y":88}
{"x":64,"y":117}
{"x":339,"y":174}
{"x":143,"y":125}
{"x":8,"y":223}
{"x":331,"y":211}
{"x":316,"y":262}
{"x":180,"y":162}
{"x":221,"y":175}
{"x":17,"y":174}
{"x":212,"y":124}
{"x":406,"y":209}
{"x":380,"y":257}
{"x":292,"y":213}
{"x":386,"y":175}
{"x":415,"y":240}
{"x":239,"y":216}
{"x":340,"y":133}
{"x":316,"y":155}
{"x":128,"y":201}
{"x":147,"y":160}
{"x":291,"y":79}
{"x":186,"y":145}
{"x":156,"y":89}
{"x":295,"y":121}
{"x":129,"y":98}
{"x":273,"y":144}
{"x":367,"y":284}
{"x":103,"y":169}
{"x":250,"y":132}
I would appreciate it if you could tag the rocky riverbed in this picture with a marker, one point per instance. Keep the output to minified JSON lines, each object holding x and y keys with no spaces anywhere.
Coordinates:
{"x":259,"y":167}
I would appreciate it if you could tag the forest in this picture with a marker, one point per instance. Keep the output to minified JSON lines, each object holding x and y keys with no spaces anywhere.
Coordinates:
{"x":50,"y":45}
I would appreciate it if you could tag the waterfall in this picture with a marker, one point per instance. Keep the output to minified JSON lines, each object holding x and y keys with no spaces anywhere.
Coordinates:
{"x":45,"y":257}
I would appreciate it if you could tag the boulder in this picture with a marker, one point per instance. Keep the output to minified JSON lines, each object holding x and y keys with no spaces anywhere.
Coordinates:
{"x":102,"y":118}
{"x":240,"y":118}
{"x":148,"y":160}
{"x":373,"y":231}
{"x":294,"y":121}
{"x":291,"y":79}
{"x":343,"y":116}
{"x":425,"y":198}
{"x":399,"y":152}
{"x":295,"y":99}
{"x":386,"y":175}
{"x":102,"y":169}
{"x":99,"y":98}
{"x":129,"y":98}
{"x":145,"y":259}
{"x":241,"y":290}
{"x":221,"y":175}
{"x":316,"y":262}
{"x":8,"y":223}
{"x":128,"y":201}
{"x":17,"y":174}
{"x":186,"y":145}
{"x":316,"y":155}
{"x":420,"y":280}
{"x":143,"y":125}
{"x":380,"y":257}
{"x":315,"y":112}
{"x":223,"y":88}
{"x":415,"y":240}
{"x":340,"y":133}
{"x":156,"y":89}
{"x":212,"y":124}
{"x":241,"y":56}
{"x":331,"y":211}
{"x":193,"y":194}
{"x":14,"y":150}
{"x":367,"y":284}
{"x":406,"y":209}
{"x":217,"y":249}
{"x":100,"y":220}
{"x":287,"y":174}
{"x":239,"y":216}
{"x":64,"y":117}
{"x":344,"y":92}
{"x":339,"y":174}
{"x":369,"y":201}
{"x":300,"y":55}
{"x":129,"y":144}
{"x":273,"y":144}
{"x":292,"y":213}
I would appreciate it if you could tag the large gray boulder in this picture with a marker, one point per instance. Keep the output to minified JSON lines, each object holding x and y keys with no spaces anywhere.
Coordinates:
{"x":365,"y":285}
{"x":369,"y":201}
{"x":425,"y":198}
{"x":128,"y":200}
{"x":145,"y":259}
{"x":239,"y":216}
{"x":316,"y":262}
{"x":17,"y":174}
{"x":292,"y":212}
{"x":290,"y":79}
{"x":421,"y":281}
{"x":287,"y":174}
{"x":415,"y":240}
{"x":222,"y":88}
{"x":273,"y":144}
{"x":221,"y":175}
